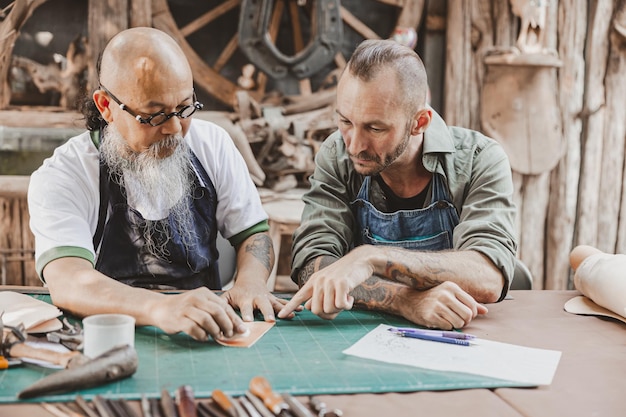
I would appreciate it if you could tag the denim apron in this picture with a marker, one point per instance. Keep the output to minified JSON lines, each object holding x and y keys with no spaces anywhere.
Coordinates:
{"x":427,"y":229}
{"x":123,"y":254}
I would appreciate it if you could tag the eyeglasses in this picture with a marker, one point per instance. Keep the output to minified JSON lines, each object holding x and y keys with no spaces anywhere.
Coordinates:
{"x":156,"y":119}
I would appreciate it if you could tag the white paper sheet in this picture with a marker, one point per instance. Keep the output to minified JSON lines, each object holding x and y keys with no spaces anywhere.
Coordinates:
{"x":483,"y":357}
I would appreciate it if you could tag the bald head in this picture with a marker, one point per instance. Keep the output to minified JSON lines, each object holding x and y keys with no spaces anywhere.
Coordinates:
{"x":145,"y":58}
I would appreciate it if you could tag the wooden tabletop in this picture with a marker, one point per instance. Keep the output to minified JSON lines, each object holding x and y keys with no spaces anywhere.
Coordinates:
{"x":588,"y":380}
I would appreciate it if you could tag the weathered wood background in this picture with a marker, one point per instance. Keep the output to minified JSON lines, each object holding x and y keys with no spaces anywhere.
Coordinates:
{"x":582,"y":199}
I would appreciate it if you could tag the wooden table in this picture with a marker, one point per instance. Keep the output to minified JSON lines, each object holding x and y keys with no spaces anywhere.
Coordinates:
{"x":589,"y":380}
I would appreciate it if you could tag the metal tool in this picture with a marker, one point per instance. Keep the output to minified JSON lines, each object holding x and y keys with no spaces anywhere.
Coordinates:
{"x":210,"y":409}
{"x":155,"y":408}
{"x":70,"y":336}
{"x":249,"y":407}
{"x":118,"y":363}
{"x":296,"y":406}
{"x":84,"y":407}
{"x":12,"y":345}
{"x":258,"y":404}
{"x":320,"y":407}
{"x":102,"y":407}
{"x":60,"y":410}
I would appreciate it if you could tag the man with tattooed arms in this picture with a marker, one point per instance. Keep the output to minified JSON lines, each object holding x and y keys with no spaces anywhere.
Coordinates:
{"x":135,"y":203}
{"x":405,"y":214}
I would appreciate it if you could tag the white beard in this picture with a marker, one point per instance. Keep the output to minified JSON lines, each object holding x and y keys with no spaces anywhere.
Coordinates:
{"x":156,"y":187}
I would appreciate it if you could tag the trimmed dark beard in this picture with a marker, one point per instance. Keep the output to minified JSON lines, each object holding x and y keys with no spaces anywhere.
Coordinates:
{"x":391,"y":158}
{"x":154,"y":182}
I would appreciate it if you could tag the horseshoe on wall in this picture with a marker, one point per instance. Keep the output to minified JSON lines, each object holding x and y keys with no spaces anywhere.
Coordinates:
{"x":256,"y":43}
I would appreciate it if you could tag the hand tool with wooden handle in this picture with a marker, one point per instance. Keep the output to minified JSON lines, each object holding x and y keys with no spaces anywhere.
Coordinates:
{"x":65,"y":359}
{"x":167,"y":404}
{"x":185,"y":401}
{"x":261,"y":387}
{"x":228,"y":404}
{"x":14,"y":345}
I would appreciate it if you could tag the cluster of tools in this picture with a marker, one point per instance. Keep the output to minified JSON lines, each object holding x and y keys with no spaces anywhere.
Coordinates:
{"x":79,"y":371}
{"x":14,"y":347}
{"x":259,"y":401}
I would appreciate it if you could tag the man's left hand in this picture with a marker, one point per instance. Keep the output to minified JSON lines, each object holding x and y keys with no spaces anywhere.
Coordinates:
{"x":253,"y":296}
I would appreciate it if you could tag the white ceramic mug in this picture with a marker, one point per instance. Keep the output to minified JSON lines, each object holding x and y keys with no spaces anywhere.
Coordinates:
{"x":102,"y":332}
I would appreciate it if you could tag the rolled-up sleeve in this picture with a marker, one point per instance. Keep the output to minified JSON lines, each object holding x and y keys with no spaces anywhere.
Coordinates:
{"x":482,"y":190}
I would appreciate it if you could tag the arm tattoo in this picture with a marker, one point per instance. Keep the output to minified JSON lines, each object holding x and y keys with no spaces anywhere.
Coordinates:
{"x":312,"y":267}
{"x":374,"y":294}
{"x":261,"y":248}
{"x":433,"y":275}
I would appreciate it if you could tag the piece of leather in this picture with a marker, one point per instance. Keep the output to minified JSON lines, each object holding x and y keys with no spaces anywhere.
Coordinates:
{"x":256,"y":330}
{"x":23,"y":309}
{"x":584,"y":305}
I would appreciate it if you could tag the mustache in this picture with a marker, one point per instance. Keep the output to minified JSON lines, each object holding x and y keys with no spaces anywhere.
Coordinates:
{"x":365,"y":156}
{"x":155,"y":149}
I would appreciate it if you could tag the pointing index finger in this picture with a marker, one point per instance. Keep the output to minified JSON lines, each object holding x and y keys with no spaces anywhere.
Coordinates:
{"x":300,"y":297}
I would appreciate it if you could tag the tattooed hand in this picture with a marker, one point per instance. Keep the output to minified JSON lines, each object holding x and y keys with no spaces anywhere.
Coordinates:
{"x":327,"y":291}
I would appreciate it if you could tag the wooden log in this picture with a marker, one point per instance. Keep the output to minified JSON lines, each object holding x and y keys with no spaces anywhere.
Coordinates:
{"x":561,"y":223}
{"x":533,"y":215}
{"x":208,"y":79}
{"x":458,"y":51}
{"x":10,"y":27}
{"x":612,"y":172}
{"x":117,"y":19}
{"x":54,"y":117}
{"x":595,"y":111}
{"x":411,"y":14}
{"x":17,"y":266}
{"x":14,"y":186}
{"x":504,"y":29}
{"x":469,"y":35}
{"x":617,"y":39}
{"x":140,"y":13}
{"x":29,"y":273}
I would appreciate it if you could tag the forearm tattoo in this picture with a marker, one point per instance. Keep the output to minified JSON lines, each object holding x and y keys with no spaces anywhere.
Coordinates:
{"x":261,"y":248}
{"x":433,"y":272}
{"x":374,"y":294}
{"x":312,"y":267}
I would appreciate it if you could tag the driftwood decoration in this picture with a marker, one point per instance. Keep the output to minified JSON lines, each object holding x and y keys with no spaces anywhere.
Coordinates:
{"x":14,"y":16}
{"x":67,"y":78}
{"x":281,"y":141}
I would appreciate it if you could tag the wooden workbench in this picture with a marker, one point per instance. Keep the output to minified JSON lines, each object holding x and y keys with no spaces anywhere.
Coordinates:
{"x":588,"y":380}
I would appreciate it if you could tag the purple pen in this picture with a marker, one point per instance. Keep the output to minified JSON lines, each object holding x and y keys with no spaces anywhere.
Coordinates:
{"x":440,"y":333}
{"x":425,"y":336}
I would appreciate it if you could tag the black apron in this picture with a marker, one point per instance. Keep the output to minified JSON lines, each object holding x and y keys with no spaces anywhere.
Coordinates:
{"x":123,"y":254}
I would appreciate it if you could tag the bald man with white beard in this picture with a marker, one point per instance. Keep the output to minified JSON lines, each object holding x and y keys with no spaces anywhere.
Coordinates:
{"x":135,"y":203}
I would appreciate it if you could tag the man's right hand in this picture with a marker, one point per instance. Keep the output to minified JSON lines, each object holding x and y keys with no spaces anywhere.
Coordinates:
{"x":199,"y":313}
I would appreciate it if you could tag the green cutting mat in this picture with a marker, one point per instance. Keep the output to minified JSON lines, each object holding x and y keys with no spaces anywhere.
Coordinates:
{"x":302,"y":356}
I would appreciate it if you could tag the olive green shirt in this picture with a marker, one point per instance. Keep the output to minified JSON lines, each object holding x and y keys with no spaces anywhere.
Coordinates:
{"x":479,"y":180}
